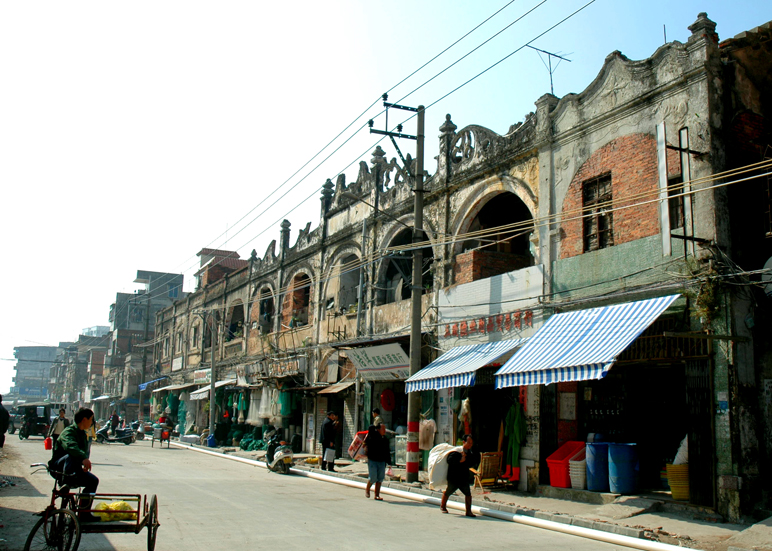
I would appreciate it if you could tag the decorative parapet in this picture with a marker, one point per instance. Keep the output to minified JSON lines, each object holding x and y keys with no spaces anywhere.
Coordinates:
{"x":475,"y":147}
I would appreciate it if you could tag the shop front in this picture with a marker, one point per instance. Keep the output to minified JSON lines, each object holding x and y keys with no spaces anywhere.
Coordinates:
{"x":458,"y":395}
{"x":657,"y":394}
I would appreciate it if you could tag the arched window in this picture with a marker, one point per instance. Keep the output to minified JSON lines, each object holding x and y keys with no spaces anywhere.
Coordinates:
{"x":397,"y":273}
{"x":296,"y":311}
{"x":504,"y":226}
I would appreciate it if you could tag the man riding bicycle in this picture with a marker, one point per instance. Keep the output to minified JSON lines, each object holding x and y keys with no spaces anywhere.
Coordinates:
{"x":70,"y":457}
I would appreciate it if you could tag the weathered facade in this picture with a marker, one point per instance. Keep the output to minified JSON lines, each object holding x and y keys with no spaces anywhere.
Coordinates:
{"x":612,"y":195}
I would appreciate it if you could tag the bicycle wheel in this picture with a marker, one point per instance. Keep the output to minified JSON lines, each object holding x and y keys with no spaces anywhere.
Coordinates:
{"x":58,"y":531}
{"x":152,"y":523}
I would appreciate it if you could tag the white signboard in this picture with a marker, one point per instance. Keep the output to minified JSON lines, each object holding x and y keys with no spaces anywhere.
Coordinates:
{"x":387,"y":362}
{"x":202,"y":375}
{"x":177,"y":364}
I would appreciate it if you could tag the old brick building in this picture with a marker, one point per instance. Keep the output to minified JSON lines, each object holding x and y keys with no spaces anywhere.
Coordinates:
{"x":612,"y":196}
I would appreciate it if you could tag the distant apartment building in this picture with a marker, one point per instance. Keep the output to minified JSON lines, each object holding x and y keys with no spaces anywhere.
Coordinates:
{"x":33,"y":367}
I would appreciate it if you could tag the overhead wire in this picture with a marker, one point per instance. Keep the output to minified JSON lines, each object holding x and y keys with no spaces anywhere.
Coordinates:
{"x":361,"y":115}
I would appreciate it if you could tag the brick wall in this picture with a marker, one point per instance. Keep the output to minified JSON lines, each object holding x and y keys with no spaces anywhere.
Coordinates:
{"x":632,"y":162}
{"x":475,"y":265}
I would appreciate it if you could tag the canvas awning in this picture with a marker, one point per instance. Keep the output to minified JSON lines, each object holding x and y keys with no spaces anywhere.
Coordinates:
{"x":175,"y":387}
{"x":337,"y":387}
{"x":144,"y":386}
{"x":101,"y":398}
{"x":203,"y":392}
{"x":581,"y":345}
{"x":458,"y":366}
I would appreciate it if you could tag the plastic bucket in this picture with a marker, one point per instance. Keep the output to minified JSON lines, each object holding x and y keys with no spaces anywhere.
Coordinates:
{"x":211,"y":441}
{"x":597,"y":467}
{"x":623,"y":468}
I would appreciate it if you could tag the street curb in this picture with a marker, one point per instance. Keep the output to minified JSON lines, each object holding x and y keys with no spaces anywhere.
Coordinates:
{"x":578,"y":522}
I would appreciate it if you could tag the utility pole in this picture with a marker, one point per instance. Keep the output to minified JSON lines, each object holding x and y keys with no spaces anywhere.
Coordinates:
{"x":413,"y":398}
{"x":213,"y":316}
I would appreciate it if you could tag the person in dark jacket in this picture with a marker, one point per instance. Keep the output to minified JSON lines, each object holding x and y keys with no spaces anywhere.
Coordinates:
{"x":378,"y":456}
{"x":327,"y":439}
{"x":459,"y":464}
{"x":5,"y":419}
{"x":70,"y":458}
{"x":58,"y":426}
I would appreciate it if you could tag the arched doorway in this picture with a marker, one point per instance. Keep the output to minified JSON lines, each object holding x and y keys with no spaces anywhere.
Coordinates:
{"x":395,"y":281}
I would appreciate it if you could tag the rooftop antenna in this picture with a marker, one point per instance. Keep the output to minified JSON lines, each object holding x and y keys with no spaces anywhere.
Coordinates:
{"x":664,"y":31}
{"x":548,"y":65}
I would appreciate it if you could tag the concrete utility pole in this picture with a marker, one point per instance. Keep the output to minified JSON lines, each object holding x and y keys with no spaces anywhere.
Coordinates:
{"x":213,"y":316}
{"x":413,"y":405}
{"x":413,"y":398}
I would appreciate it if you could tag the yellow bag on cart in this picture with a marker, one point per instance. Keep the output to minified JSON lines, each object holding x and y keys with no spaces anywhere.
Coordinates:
{"x":109,"y":512}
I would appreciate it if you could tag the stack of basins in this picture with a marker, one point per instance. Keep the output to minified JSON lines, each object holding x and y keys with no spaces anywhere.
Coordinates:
{"x":678,"y":478}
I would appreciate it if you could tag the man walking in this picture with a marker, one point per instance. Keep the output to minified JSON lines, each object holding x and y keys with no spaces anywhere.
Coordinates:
{"x":71,"y":458}
{"x":459,"y":464}
{"x":58,"y":426}
{"x":327,"y":439}
{"x":5,"y":417}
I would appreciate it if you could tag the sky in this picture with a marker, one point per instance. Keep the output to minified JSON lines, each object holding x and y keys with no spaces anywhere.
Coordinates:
{"x":134,"y":134}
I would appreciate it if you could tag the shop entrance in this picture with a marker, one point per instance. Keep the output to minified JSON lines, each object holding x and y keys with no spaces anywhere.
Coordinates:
{"x":489,"y":409}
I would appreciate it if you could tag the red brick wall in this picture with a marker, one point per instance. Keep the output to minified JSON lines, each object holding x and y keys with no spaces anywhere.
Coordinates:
{"x":632,"y":162}
{"x":474,"y":265}
{"x":293,"y":300}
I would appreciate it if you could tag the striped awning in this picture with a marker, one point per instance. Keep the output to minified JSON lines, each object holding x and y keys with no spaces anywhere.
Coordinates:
{"x":458,"y":366}
{"x":581,"y":345}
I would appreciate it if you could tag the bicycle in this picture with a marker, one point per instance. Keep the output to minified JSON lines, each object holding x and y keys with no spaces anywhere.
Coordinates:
{"x":60,"y":529}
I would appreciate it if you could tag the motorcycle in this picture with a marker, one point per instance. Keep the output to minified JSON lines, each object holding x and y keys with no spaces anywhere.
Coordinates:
{"x":279,"y":456}
{"x":139,"y":430}
{"x":121,"y":435}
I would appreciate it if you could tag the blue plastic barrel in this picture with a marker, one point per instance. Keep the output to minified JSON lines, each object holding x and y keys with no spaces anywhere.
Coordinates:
{"x":623,"y":468}
{"x":597,"y":467}
{"x":211,"y":441}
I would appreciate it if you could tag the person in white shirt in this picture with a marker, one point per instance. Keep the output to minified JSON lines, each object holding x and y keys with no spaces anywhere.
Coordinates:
{"x":59,"y":424}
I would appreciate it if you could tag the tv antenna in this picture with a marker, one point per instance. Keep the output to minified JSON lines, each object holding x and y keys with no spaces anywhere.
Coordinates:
{"x":548,"y":65}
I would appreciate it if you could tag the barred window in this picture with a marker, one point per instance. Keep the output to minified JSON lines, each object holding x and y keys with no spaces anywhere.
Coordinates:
{"x":598,"y":219}
{"x":676,"y":204}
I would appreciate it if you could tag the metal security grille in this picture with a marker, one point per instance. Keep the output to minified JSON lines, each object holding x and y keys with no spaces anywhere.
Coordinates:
{"x":700,"y":408}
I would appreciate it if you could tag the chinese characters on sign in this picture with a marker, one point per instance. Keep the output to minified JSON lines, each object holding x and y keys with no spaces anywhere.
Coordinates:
{"x":381,"y":363}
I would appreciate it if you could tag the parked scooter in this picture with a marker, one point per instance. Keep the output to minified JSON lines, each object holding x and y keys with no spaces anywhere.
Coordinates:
{"x":121,"y":435}
{"x":279,"y":456}
{"x":139,"y":430}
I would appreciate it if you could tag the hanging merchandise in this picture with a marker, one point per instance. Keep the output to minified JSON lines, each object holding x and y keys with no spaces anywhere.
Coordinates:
{"x":388,"y":401}
{"x":230,"y":401}
{"x":253,"y":417}
{"x":182,"y":412}
{"x":514,"y":430}
{"x":242,"y":406}
{"x":285,"y":401}
{"x":465,"y":418}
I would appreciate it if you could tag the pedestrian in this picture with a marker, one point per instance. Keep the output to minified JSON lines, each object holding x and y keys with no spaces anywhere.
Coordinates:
{"x":327,"y":439}
{"x":58,"y":426}
{"x":114,"y":420}
{"x":5,"y":418}
{"x":378,"y":456}
{"x":459,"y":464}
{"x":71,"y":458}
{"x":377,"y":419}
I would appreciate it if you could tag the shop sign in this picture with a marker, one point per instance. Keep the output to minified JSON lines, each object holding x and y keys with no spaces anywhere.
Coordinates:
{"x":177,"y":364}
{"x":387,"y":362}
{"x":202,"y":375}
{"x":286,"y":368}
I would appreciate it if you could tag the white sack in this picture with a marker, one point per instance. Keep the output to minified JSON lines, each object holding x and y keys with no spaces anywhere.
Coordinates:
{"x":438,"y":464}
{"x":682,"y":457}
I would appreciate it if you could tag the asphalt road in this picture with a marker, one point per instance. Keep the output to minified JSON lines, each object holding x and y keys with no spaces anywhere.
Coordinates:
{"x":209,"y":503}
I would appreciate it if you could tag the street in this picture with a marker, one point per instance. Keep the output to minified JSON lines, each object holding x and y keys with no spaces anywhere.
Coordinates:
{"x":211,"y":503}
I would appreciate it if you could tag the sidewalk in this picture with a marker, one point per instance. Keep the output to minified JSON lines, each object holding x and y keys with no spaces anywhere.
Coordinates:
{"x":654,"y":518}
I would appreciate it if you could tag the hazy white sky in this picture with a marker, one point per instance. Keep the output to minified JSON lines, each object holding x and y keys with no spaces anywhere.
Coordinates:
{"x":133,"y":134}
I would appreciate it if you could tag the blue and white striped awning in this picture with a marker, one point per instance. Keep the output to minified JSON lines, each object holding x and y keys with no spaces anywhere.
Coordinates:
{"x":457,"y":366}
{"x":582,"y":345}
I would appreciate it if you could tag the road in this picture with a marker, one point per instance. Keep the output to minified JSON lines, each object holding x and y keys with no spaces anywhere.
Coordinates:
{"x":209,"y":503}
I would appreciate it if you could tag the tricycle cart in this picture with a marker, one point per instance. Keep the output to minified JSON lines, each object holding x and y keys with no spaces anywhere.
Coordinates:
{"x":59,"y":527}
